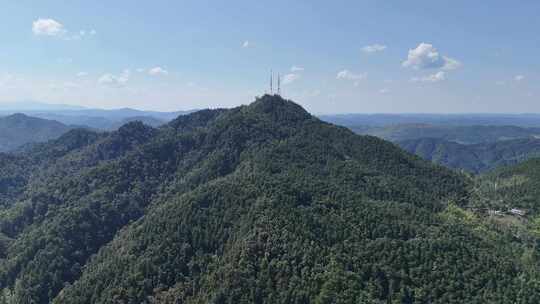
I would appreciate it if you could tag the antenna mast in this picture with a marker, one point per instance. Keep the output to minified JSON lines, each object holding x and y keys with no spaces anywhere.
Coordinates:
{"x":271,"y":82}
{"x":279,"y":84}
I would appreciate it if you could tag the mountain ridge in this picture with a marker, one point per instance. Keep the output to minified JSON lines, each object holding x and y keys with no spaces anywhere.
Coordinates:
{"x":262,"y":203}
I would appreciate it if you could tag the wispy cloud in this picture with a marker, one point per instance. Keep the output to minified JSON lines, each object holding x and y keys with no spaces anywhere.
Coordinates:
{"x":437,"y":77}
{"x":348,"y":75}
{"x":290,"y":78}
{"x":295,"y":69}
{"x":246,"y":44}
{"x":374,"y":48}
{"x":519,"y":78}
{"x":156,"y":71}
{"x":115,"y":81}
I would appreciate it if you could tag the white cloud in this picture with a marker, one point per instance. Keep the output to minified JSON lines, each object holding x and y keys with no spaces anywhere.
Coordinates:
{"x":245,"y":44}
{"x":158,"y":71}
{"x":93,"y":32}
{"x":48,"y":27}
{"x":437,"y":77}
{"x":425,"y":56}
{"x":384,"y":91}
{"x":451,"y":64}
{"x":374,"y":48}
{"x":82,"y":74}
{"x":348,"y":75}
{"x":290,"y":78}
{"x":519,"y":78}
{"x":114,"y":81}
{"x":295,"y":69}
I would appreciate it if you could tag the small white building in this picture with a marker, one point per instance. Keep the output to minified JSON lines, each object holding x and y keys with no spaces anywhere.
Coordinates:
{"x":516,"y":211}
{"x":495,"y":212}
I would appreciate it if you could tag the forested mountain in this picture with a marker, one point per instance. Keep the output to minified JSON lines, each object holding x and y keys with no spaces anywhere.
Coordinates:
{"x":257,"y":204}
{"x":475,"y":158}
{"x":473,"y":134}
{"x":19,"y":129}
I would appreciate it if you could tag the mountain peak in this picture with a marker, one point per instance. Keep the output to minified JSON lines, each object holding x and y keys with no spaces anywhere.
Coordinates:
{"x":279,"y":108}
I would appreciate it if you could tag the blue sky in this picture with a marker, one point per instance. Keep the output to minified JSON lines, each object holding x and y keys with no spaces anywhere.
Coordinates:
{"x":334,"y":56}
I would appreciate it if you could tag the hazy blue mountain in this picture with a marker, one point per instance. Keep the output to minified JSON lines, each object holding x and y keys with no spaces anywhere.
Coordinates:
{"x":19,"y":129}
{"x":94,"y":118}
{"x":348,"y":120}
{"x":460,"y":134}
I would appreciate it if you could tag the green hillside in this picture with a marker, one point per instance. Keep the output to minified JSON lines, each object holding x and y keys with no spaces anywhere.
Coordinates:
{"x":19,"y":129}
{"x":257,"y":204}
{"x":475,"y":158}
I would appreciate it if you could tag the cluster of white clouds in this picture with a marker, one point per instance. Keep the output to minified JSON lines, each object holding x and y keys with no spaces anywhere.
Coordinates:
{"x":121,"y":80}
{"x":53,"y":28}
{"x":426,"y":56}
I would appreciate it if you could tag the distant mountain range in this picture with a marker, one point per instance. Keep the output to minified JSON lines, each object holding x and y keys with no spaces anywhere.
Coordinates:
{"x":381,"y":120}
{"x":94,"y":118}
{"x":476,"y":143}
{"x":473,"y":134}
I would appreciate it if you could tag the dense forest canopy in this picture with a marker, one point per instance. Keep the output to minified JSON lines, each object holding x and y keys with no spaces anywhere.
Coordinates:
{"x":258,"y":204}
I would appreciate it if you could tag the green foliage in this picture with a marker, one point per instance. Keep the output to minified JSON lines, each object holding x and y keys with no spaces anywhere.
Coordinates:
{"x":258,"y":204}
{"x":475,"y":158}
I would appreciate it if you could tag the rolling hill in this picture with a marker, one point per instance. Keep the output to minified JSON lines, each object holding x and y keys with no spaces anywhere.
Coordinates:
{"x":258,"y":204}
{"x":476,"y":158}
{"x":18,"y":129}
{"x":467,"y":135}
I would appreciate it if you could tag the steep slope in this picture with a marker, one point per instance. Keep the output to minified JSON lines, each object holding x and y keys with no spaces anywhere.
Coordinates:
{"x":258,"y":204}
{"x":475,"y":158}
{"x":19,"y":129}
